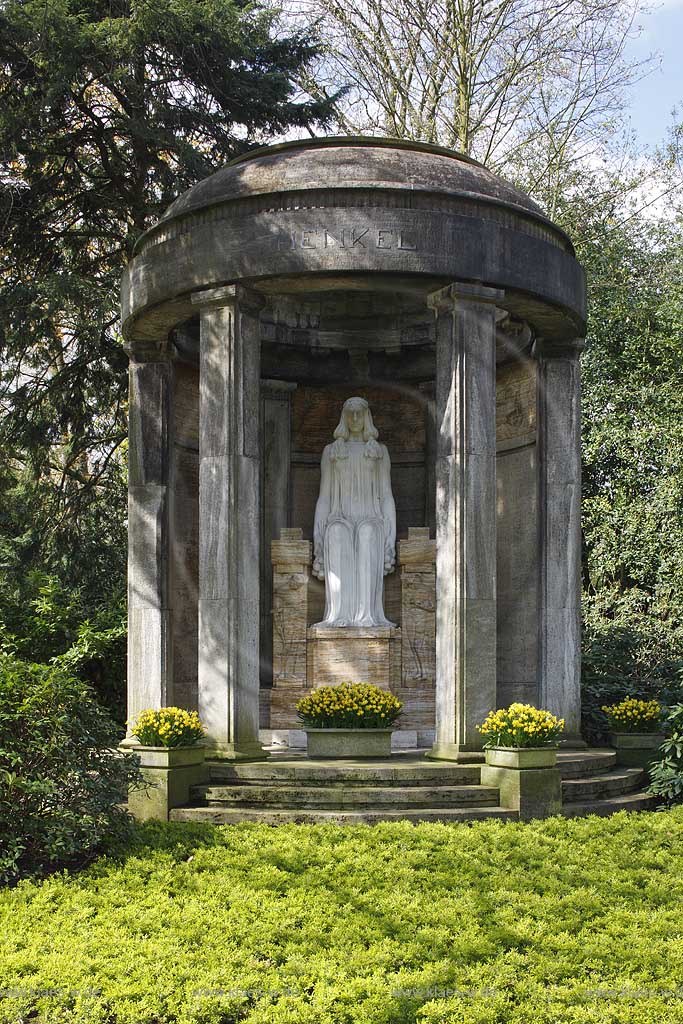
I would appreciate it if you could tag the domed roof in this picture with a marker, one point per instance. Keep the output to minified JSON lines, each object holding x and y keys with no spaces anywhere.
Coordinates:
{"x":345,"y":212}
{"x":348,"y":162}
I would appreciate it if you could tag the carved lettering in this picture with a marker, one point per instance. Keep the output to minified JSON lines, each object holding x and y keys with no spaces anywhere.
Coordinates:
{"x":346,"y":238}
{"x":331,"y":240}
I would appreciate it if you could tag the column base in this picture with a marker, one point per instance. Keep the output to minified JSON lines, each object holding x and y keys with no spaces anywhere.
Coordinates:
{"x":455,"y":752}
{"x":572,"y":743}
{"x":237,"y":752}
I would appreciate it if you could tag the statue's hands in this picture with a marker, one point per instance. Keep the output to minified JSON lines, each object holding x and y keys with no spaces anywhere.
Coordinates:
{"x":389,"y":558}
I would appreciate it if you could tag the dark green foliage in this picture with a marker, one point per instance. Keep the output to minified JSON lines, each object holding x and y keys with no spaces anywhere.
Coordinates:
{"x":44,"y":621}
{"x":60,"y":782}
{"x":576,"y":921}
{"x":626,"y":656}
{"x":632,"y":449}
{"x":107,"y":113}
{"x":666,"y":775}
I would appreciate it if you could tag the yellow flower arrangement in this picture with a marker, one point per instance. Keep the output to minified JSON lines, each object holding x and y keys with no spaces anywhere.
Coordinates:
{"x":168,"y":727}
{"x":632,"y":715}
{"x":521,"y":725}
{"x":349,"y":706}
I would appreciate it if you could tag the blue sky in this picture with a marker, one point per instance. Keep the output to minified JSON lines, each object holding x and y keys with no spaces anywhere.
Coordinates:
{"x":654,"y":97}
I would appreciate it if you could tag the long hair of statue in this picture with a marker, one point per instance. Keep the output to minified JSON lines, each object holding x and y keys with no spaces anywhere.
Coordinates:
{"x":370,"y":431}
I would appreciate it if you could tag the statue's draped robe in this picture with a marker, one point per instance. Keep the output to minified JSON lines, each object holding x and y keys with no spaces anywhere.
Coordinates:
{"x":355,"y":531}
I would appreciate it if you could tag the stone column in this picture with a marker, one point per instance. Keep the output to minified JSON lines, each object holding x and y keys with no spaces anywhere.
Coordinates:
{"x":229,"y":521}
{"x":465,"y":516}
{"x":150,"y":515}
{"x":559,"y":460}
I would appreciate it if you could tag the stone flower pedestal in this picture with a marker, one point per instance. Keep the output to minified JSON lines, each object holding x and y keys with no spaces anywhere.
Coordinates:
{"x":527,"y":778}
{"x":349,"y":743}
{"x":168,"y":773}
{"x":636,"y":749}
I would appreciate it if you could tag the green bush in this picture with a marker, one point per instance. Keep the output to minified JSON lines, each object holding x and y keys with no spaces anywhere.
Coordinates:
{"x":666,"y":775}
{"x":61,"y":784}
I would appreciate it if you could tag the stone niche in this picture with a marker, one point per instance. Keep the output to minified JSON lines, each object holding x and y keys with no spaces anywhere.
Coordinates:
{"x":297,"y":421}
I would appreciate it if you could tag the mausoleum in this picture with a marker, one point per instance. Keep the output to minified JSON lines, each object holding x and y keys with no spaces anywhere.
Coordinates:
{"x":296,"y":278}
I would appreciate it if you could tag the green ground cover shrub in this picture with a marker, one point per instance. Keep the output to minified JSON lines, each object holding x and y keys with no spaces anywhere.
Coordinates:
{"x":61,"y":783}
{"x":577,"y":921}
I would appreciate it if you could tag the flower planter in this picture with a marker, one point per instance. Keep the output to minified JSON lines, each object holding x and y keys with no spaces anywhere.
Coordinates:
{"x":521,"y":757}
{"x":169,"y":757}
{"x":636,"y":749}
{"x":348,"y":742}
{"x":168,"y":774}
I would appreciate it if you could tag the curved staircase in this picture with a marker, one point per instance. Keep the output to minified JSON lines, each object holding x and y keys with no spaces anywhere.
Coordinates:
{"x":408,"y":787}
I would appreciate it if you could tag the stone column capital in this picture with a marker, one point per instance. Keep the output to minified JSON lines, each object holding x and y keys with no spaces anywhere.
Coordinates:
{"x":547,"y":348}
{"x":228,"y":295}
{"x":457,"y":294}
{"x":147,"y":351}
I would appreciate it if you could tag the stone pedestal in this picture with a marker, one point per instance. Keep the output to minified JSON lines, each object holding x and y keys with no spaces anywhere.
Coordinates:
{"x":291,"y":561}
{"x":534,"y":792}
{"x":354,"y":654}
{"x":168,"y":774}
{"x":417,"y":559}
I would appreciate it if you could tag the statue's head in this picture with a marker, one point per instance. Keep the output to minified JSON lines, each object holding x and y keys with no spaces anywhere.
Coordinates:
{"x":356,"y":418}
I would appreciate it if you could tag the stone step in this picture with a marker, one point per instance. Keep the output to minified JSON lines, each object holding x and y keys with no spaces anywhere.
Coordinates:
{"x":272,"y":816}
{"x":397,"y":772}
{"x":345,"y":797}
{"x":639,"y":801}
{"x":577,"y":764}
{"x":623,"y":780}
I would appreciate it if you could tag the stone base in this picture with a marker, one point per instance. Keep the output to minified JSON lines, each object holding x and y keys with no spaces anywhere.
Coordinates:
{"x":454,"y":752}
{"x":534,"y":792}
{"x":354,"y":654}
{"x":572,"y":743}
{"x":237,"y":752}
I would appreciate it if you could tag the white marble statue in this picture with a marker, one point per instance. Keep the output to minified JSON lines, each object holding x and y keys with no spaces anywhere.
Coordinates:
{"x":354,"y":538}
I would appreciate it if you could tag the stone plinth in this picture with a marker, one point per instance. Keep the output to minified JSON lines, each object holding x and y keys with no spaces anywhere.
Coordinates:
{"x":417,"y":559}
{"x":355,"y":654}
{"x":291,"y":558}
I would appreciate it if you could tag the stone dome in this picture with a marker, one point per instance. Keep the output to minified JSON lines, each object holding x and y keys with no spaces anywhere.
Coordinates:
{"x":350,"y":163}
{"x":354,"y":213}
